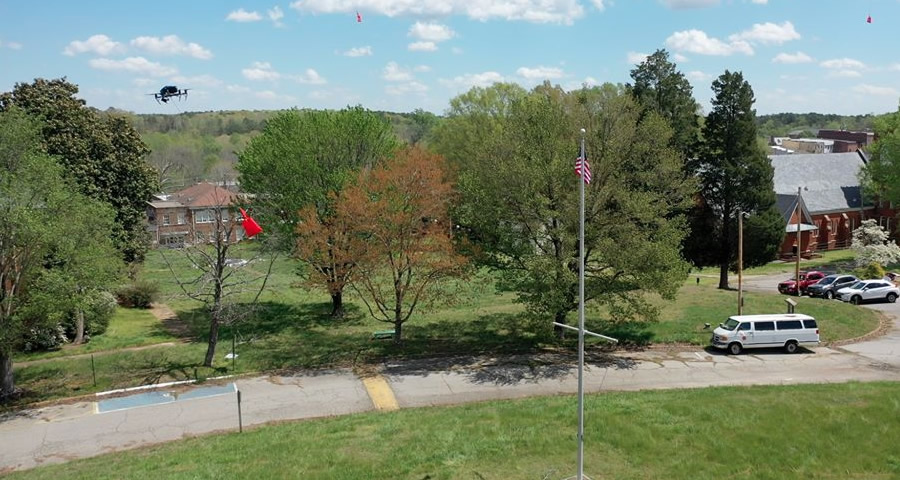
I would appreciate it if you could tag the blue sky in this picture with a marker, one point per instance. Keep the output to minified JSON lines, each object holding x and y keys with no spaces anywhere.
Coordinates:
{"x":799,"y":55}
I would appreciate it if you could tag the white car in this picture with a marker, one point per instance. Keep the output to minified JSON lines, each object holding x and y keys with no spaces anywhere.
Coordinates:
{"x":868,"y":290}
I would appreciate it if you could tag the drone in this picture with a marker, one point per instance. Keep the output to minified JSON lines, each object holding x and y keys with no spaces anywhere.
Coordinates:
{"x":168,"y":92}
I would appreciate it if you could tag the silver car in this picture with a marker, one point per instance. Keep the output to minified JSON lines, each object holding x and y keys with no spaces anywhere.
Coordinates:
{"x":869,"y":290}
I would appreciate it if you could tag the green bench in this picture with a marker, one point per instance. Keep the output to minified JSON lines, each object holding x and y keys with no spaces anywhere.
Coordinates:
{"x":382,"y":334}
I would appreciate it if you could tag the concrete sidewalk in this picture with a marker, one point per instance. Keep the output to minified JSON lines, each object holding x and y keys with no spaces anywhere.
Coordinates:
{"x":60,"y":433}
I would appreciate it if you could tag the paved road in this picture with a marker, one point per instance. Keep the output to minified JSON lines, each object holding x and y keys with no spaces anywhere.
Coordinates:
{"x":60,"y":433}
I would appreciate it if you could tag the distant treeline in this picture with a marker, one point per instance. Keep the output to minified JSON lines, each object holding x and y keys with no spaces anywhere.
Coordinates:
{"x":807,"y":124}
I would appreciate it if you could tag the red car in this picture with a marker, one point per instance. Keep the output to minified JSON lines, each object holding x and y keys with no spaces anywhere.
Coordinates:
{"x":789,"y":287}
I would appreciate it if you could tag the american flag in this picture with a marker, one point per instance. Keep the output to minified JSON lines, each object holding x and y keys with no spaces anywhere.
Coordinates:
{"x":587,"y":169}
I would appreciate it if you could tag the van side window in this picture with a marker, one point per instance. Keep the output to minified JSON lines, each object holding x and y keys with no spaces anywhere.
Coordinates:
{"x":810,"y":324}
{"x":764,"y":326}
{"x":745,"y":327}
{"x":789,"y":325}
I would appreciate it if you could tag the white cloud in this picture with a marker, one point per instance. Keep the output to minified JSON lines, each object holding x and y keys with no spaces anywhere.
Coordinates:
{"x":535,"y":11}
{"x":635,"y":57}
{"x":275,"y":15}
{"x":469,"y":80}
{"x":768,"y":33}
{"x":792,"y":58}
{"x":696,"y":41}
{"x":698,"y":76}
{"x":171,"y":45}
{"x":260,"y":71}
{"x":681,"y":4}
{"x":408,"y":88}
{"x":394,"y":73}
{"x":197,"y":81}
{"x":99,"y":44}
{"x":310,"y":77}
{"x":145,"y":82}
{"x":876,"y":90}
{"x":895,"y":67}
{"x":540,"y":73}
{"x":599,"y":4}
{"x":421,"y":68}
{"x":11,"y":45}
{"x":760,"y":2}
{"x":133,"y":64}
{"x":270,"y":95}
{"x":845,"y":74}
{"x":422,"y":47}
{"x":432,"y":32}
{"x":679,"y":57}
{"x":241,"y":15}
{"x":358,"y":52}
{"x":456,"y":50}
{"x":843,"y":63}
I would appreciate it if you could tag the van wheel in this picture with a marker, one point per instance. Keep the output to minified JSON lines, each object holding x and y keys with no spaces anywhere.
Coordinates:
{"x":734,"y":348}
{"x":891,"y":297}
{"x":856,"y":300}
{"x":829,"y":295}
{"x":790,"y":347}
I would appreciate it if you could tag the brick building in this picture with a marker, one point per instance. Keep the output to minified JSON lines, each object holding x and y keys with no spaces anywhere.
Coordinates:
{"x":189,"y":216}
{"x":831,"y":200}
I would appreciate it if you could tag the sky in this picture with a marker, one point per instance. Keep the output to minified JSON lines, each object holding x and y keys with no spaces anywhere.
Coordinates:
{"x":798,"y":55}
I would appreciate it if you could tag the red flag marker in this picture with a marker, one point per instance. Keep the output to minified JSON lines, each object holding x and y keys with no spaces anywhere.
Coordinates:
{"x":869,"y":19}
{"x":358,"y":17}
{"x":250,"y":226}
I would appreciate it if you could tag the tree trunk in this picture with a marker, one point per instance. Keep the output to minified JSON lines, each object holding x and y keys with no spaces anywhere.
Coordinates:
{"x":398,"y":328}
{"x":723,"y":276}
{"x":337,"y":305}
{"x":213,"y":340}
{"x":560,"y":332}
{"x":79,"y":327}
{"x":7,"y":386}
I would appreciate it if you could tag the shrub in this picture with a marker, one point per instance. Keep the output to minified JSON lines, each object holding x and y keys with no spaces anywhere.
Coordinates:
{"x":872,"y":270}
{"x":44,"y":337}
{"x":140,"y":294}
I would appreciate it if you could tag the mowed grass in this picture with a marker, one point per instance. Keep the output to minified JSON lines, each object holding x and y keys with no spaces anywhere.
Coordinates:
{"x":829,"y":260}
{"x":291,"y":329}
{"x":129,"y":327}
{"x":843,"y":431}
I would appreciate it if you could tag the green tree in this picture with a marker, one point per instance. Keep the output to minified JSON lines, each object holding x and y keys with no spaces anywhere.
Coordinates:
{"x":735,"y":176}
{"x":659,"y":87}
{"x":46,"y":222}
{"x":519,"y":196}
{"x":102,"y":152}
{"x":881,"y":175}
{"x":300,"y":160}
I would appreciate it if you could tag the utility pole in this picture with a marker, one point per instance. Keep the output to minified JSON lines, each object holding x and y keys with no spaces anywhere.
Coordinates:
{"x":740,"y":262}
{"x":799,"y":242}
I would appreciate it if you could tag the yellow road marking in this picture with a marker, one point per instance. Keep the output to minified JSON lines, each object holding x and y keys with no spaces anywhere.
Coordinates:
{"x":380,"y":392}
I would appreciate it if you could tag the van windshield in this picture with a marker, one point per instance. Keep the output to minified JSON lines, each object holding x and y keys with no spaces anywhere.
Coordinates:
{"x":730,"y":324}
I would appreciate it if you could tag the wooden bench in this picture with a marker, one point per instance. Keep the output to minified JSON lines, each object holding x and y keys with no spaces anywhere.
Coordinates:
{"x":382,"y":334}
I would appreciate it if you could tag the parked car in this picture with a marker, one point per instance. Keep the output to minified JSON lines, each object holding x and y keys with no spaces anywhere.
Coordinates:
{"x":789,"y":287}
{"x":868,"y":290}
{"x":788,"y":330}
{"x":828,"y":286}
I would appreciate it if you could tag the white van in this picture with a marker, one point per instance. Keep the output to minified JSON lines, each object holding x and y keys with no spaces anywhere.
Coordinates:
{"x":788,"y":330}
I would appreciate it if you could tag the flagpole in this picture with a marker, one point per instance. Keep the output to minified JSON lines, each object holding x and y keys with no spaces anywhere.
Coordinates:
{"x":581,"y":315}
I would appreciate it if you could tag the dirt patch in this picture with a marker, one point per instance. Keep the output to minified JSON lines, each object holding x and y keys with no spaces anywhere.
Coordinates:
{"x":170,"y":321}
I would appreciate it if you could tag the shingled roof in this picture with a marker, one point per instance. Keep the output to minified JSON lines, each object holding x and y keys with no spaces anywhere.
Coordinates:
{"x":829,"y":181}
{"x":204,"y":195}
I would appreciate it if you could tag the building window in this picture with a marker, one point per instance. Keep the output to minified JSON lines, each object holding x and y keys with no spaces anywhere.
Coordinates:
{"x":166,"y":219}
{"x":181,"y":218}
{"x":204,"y":216}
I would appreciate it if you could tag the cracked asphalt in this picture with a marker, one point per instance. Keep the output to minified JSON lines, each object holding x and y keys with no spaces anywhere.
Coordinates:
{"x":64,"y":432}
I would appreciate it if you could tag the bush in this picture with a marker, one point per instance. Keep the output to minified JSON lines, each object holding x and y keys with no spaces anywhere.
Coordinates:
{"x":870,"y":271}
{"x":100,"y":309}
{"x":140,"y":294}
{"x":44,"y":337}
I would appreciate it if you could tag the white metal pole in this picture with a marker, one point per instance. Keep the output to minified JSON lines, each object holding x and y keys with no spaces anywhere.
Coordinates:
{"x":581,"y":316}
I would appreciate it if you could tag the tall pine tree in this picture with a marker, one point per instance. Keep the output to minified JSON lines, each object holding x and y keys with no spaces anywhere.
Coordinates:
{"x":735,"y":176}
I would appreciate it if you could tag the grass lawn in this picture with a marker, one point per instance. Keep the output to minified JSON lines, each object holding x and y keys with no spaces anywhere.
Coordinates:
{"x":129,"y":327}
{"x":831,"y":260}
{"x":842,"y":431}
{"x":292,"y":330}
